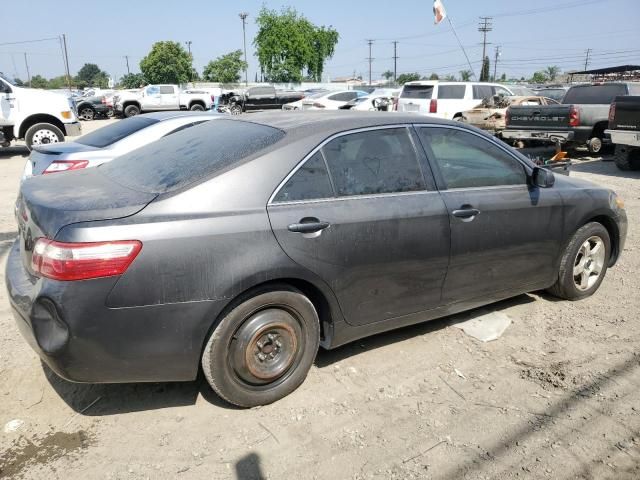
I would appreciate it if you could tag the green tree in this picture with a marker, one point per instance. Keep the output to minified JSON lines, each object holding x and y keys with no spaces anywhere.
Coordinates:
{"x":552,"y":72}
{"x":408,"y":77}
{"x":539,"y":77}
{"x":57,"y":82}
{"x":167,"y":62}
{"x":19,"y":82}
{"x":388,"y":75}
{"x":38,"y":81}
{"x":451,"y":78}
{"x":132,"y":80}
{"x":484,"y":73}
{"x":434,"y":76}
{"x":287,"y":44}
{"x":465,"y":75}
{"x":503,"y":78}
{"x":87,"y":74}
{"x":226,"y":68}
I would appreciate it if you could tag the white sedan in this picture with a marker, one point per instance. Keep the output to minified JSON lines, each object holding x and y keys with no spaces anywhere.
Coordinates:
{"x":331,"y":100}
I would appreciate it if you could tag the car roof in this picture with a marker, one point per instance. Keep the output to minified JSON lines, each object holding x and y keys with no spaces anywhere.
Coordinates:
{"x":450,"y":82}
{"x":176,"y":114}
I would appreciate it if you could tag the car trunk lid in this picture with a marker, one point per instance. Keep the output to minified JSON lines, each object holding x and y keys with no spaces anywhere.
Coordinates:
{"x":48,"y":203}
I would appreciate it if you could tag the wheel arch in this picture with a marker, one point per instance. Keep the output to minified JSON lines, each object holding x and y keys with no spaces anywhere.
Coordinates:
{"x":131,"y":102}
{"x":598,"y":129}
{"x":197,"y":102}
{"x":614,"y":234}
{"x":39,"y":118}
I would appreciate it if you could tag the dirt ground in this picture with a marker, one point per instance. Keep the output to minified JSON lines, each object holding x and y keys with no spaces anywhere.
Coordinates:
{"x":557,"y":396}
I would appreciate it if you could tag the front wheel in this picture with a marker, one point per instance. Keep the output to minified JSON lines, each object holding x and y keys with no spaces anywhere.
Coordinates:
{"x":196,"y":107}
{"x":86,"y":113}
{"x":263,"y":349}
{"x":584,"y":263}
{"x":42,"y":134}
{"x":594,"y":145}
{"x":235,"y":109}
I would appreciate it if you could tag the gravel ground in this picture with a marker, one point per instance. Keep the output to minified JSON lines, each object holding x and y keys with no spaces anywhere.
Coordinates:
{"x":555,"y":397}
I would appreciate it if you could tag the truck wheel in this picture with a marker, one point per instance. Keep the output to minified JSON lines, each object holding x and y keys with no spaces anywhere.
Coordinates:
{"x":627,"y":158}
{"x":235,"y":109}
{"x":86,"y":113}
{"x":196,"y":107}
{"x":594,"y":145}
{"x":43,"y":134}
{"x":131,"y":111}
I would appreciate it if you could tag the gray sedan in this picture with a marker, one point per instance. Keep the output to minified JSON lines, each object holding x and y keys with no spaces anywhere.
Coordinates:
{"x":107,"y":143}
{"x":241,"y":247}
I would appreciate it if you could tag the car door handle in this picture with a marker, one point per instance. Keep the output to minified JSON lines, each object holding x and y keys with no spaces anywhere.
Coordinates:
{"x":466,"y":213}
{"x":308,"y":226}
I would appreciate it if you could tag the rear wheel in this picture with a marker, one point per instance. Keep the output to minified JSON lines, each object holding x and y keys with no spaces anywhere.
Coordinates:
{"x":594,"y":145}
{"x":627,"y":158}
{"x":584,"y":263}
{"x":131,"y":111}
{"x":263,"y":348}
{"x":43,"y":134}
{"x":86,"y":113}
{"x":235,"y":109}
{"x":196,"y":107}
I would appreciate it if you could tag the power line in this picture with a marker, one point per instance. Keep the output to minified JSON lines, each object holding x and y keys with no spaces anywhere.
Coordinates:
{"x":30,"y":41}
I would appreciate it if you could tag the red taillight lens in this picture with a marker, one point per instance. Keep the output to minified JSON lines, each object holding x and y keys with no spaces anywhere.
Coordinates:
{"x":103,"y":100}
{"x":612,"y":114}
{"x":82,"y":261}
{"x":213,"y":99}
{"x":433,"y":106}
{"x":574,"y":117}
{"x":507,"y":117}
{"x":65,"y":165}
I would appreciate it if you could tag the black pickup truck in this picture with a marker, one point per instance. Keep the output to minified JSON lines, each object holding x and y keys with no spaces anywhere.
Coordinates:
{"x":624,"y":130}
{"x":257,"y":98}
{"x":581,"y":118}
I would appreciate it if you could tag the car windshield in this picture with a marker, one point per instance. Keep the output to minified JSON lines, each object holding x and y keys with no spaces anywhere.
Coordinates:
{"x":191,"y":155}
{"x":10,"y":82}
{"x":115,"y":132}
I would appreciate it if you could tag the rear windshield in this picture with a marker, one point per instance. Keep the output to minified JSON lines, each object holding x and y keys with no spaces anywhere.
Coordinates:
{"x":417,"y":91}
{"x":185,"y":157}
{"x":115,"y":132}
{"x":594,"y":94}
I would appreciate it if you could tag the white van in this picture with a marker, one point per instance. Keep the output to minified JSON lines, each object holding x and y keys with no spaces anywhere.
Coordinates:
{"x":446,"y":99}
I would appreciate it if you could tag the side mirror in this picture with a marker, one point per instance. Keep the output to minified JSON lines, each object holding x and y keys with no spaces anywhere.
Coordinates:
{"x":543,"y":178}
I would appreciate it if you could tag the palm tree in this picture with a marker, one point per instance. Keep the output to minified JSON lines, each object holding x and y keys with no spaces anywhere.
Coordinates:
{"x":388,"y":75}
{"x":552,"y":72}
{"x":465,"y":75}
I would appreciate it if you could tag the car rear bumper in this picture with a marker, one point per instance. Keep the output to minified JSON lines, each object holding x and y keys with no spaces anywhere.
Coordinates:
{"x":71,"y":329}
{"x":543,"y":135}
{"x":621,"y":137}
{"x":72,"y":129}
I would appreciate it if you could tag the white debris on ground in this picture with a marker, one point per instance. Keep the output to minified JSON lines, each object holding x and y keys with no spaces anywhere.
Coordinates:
{"x":485,"y":327}
{"x":13,"y":425}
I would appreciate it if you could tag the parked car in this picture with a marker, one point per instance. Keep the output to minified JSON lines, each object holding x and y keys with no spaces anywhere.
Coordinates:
{"x":381,"y":99}
{"x":154,"y":98}
{"x":106,"y":143}
{"x":521,"y":91}
{"x":624,"y":130}
{"x":257,"y":98}
{"x":243,"y":246}
{"x":330,"y":100}
{"x":554,"y":92}
{"x":581,"y":119}
{"x":445,"y":99}
{"x":91,"y":107}
{"x":37,"y":116}
{"x":490,"y":114}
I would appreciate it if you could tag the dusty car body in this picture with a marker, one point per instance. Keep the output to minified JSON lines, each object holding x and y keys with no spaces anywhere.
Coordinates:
{"x":491,"y":113}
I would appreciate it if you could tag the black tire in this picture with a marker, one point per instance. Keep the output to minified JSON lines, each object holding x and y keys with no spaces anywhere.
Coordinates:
{"x":196,"y":107}
{"x":627,"y":158}
{"x":43,"y":134}
{"x":86,"y":113}
{"x":235,"y":109}
{"x":565,"y":286}
{"x":131,"y":111}
{"x":594,"y":145}
{"x":263,"y":348}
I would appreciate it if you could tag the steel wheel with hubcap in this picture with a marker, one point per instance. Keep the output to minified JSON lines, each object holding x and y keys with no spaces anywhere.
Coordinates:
{"x":584,"y":263}
{"x":594,"y":145}
{"x":263,"y":348}
{"x":43,"y":134}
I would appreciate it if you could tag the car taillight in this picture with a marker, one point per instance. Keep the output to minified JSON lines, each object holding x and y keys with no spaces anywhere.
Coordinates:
{"x":507,"y":117}
{"x":433,"y":106}
{"x":103,"y":100}
{"x":612,"y":114}
{"x":213,"y":99}
{"x":574,"y":117}
{"x":318,"y":105}
{"x":82,"y":261}
{"x":66,"y":165}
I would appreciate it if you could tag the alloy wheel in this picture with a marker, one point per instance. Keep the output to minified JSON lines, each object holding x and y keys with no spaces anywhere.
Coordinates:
{"x":589,"y":263}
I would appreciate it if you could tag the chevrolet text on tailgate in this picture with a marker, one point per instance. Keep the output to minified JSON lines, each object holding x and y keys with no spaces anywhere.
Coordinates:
{"x":581,"y":119}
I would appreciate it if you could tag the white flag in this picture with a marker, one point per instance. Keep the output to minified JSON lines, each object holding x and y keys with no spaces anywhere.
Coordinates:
{"x":439,"y":13}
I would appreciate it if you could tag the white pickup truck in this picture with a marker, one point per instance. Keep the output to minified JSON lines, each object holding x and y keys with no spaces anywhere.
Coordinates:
{"x":154,"y":98}
{"x":37,"y":116}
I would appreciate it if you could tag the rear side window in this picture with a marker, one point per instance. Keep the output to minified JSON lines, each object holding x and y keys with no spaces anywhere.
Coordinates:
{"x":373,"y":162}
{"x":423,"y":92}
{"x":481,"y":92}
{"x":451,"y":91}
{"x":261,"y":91}
{"x":466,"y":160}
{"x":310,"y":182}
{"x":343,"y":97}
{"x":594,"y":94}
{"x":115,"y":132}
{"x":185,"y":157}
{"x":166,"y":89}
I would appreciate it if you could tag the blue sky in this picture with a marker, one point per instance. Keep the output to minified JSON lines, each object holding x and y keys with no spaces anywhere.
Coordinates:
{"x":531,"y":35}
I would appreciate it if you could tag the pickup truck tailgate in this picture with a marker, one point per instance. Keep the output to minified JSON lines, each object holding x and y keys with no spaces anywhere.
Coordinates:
{"x":542,"y":117}
{"x":626,"y":114}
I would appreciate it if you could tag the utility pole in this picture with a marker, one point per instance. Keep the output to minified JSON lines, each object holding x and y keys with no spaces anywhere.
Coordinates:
{"x":586,"y":60}
{"x":484,"y":27}
{"x":495,"y":63}
{"x":126,"y":57}
{"x":66,"y":60}
{"x":243,"y":16}
{"x":26,"y":64}
{"x":189,"y":42}
{"x":370,"y":58}
{"x":395,"y":61}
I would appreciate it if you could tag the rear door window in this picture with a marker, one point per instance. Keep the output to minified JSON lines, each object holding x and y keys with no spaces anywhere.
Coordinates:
{"x":310,"y":182}
{"x":194,"y":154}
{"x":343,"y":97}
{"x":481,"y":92}
{"x":115,"y":132}
{"x":423,"y":92}
{"x":594,"y":94}
{"x":374,"y":162}
{"x":166,"y":90}
{"x":451,"y":92}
